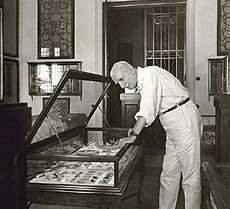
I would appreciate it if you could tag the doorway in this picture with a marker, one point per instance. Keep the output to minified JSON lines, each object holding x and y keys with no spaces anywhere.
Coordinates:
{"x":125,"y":42}
{"x":144,"y":35}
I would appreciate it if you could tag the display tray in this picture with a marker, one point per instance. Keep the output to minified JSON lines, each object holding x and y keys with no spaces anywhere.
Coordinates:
{"x":75,"y":172}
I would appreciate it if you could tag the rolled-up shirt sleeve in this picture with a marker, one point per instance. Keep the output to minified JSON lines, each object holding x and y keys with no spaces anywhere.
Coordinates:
{"x":150,"y":98}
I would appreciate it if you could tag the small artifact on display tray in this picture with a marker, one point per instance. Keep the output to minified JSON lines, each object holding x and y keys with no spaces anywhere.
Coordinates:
{"x":80,"y":162}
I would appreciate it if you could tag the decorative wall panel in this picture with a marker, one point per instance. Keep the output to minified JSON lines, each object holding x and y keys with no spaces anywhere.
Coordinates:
{"x":56,"y":29}
{"x":223,"y":34}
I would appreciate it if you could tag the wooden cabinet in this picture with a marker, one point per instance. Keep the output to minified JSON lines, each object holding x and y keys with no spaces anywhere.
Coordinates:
{"x":129,"y":106}
{"x":154,"y":134}
{"x":222,"y":105}
{"x":14,"y":124}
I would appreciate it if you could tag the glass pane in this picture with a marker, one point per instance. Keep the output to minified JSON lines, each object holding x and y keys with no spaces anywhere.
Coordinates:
{"x":63,"y":116}
{"x":72,"y":173}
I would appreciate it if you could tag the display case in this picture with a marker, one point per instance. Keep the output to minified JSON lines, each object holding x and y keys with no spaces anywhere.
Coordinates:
{"x":75,"y":162}
{"x":218,"y":78}
{"x":44,"y":77}
{"x":216,"y":185}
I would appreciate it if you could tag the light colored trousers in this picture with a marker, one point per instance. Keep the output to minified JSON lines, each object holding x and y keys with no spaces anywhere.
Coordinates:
{"x":183,"y":130}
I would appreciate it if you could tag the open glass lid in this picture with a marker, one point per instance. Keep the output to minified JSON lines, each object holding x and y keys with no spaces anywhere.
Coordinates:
{"x":63,"y":116}
{"x":71,"y":141}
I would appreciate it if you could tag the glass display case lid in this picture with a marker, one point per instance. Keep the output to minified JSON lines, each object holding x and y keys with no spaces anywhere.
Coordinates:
{"x":59,"y":115}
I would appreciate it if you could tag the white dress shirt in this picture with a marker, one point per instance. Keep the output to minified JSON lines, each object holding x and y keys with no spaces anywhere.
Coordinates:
{"x":159,"y":90}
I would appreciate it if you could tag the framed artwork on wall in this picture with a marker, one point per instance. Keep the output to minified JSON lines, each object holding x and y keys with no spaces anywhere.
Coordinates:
{"x":218,"y":76}
{"x":10,"y":81}
{"x":56,"y":29}
{"x":10,"y":29}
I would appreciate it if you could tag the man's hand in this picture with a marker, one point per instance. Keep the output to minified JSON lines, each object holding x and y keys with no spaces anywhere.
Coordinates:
{"x":139,"y":125}
{"x":128,"y":140}
{"x":130,"y":131}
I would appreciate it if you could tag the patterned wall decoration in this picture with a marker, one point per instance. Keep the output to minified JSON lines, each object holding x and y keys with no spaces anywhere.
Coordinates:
{"x":223,"y":25}
{"x":55,"y":28}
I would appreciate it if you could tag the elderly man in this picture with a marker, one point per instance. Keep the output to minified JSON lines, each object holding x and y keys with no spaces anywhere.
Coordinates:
{"x":163,"y":95}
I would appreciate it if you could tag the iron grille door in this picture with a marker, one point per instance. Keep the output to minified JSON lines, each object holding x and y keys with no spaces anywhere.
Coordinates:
{"x":165,"y":38}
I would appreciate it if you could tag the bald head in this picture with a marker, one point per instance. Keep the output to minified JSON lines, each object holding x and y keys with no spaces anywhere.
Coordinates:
{"x":124,"y":74}
{"x":120,"y":67}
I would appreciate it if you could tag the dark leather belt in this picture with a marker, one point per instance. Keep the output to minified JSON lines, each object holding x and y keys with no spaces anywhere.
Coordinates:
{"x":176,"y":106}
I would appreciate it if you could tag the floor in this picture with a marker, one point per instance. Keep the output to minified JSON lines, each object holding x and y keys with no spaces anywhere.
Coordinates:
{"x":154,"y":157}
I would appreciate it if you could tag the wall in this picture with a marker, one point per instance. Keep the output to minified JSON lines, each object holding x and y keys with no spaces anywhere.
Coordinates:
{"x":205,"y":47}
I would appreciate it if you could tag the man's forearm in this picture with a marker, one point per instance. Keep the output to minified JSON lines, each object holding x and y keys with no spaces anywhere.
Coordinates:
{"x":139,"y":125}
{"x":136,"y":130}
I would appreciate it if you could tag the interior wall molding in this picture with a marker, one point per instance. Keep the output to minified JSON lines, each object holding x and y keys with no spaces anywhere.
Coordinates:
{"x":143,"y":3}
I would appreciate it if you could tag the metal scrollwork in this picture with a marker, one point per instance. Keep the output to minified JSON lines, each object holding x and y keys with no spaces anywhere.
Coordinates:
{"x":161,"y":19}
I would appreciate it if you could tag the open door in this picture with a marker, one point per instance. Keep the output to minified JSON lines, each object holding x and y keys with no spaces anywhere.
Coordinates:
{"x":125,"y":41}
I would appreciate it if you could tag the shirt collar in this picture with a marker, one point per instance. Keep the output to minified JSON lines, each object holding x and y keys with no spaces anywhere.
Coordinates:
{"x":140,"y":79}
